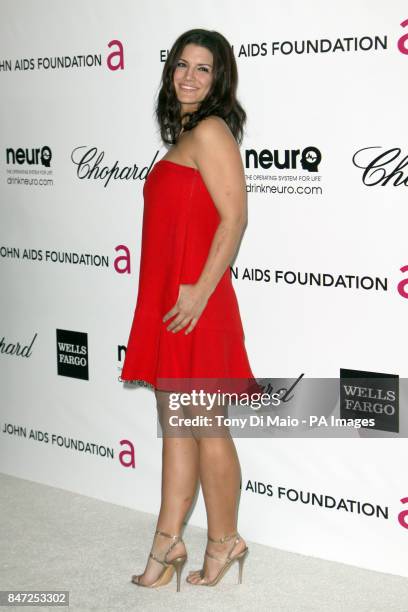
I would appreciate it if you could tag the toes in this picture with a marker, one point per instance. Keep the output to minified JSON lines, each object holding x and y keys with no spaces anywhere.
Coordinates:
{"x":195,"y":577}
{"x":192,"y":577}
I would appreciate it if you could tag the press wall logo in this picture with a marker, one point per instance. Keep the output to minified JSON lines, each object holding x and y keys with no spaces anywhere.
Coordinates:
{"x":34,"y":156}
{"x":402,"y":42}
{"x":72,"y":354}
{"x":308,"y":158}
{"x":402,"y":286}
{"x":120,"y":356}
{"x":370,"y":394}
{"x":29,"y":166}
{"x":286,"y":166}
{"x":382,"y":167}
{"x":90,"y":166}
{"x":113,"y":59}
{"x":17,"y":348}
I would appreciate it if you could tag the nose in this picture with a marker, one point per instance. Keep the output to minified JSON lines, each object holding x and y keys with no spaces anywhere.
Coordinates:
{"x":189,"y":74}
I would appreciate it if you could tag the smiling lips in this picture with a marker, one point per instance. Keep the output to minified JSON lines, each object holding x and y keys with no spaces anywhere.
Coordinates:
{"x":187,"y":88}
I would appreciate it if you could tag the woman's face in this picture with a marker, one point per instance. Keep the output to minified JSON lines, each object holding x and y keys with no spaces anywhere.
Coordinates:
{"x":193,"y":76}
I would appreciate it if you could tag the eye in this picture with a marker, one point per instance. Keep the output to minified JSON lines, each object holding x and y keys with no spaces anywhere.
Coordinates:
{"x":180,"y":62}
{"x":205,"y":68}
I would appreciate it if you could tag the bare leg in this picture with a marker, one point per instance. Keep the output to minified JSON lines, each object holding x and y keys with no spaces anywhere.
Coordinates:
{"x":220,"y":476}
{"x":180,"y":472}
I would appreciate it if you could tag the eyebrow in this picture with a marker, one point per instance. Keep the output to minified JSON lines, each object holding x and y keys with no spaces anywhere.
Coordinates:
{"x":181,"y":58}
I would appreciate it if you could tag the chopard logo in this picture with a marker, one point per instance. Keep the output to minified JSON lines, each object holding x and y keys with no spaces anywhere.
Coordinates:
{"x":382,"y":169}
{"x":89,"y":166}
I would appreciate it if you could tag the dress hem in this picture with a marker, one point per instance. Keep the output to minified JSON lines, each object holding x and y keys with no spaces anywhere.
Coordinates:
{"x":138,"y":381}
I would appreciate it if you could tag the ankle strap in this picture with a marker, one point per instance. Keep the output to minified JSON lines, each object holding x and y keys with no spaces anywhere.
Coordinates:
{"x":225,"y":538}
{"x":159,"y":532}
{"x":177,"y":538}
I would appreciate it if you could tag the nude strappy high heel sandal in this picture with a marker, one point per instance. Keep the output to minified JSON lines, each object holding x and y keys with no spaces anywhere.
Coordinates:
{"x":168,"y":566}
{"x":228,"y":561}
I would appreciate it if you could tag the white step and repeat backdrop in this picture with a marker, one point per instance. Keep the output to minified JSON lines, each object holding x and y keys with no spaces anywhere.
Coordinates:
{"x":321,"y":276}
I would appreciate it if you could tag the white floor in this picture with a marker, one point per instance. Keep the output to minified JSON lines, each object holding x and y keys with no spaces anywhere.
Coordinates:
{"x":54,"y":539}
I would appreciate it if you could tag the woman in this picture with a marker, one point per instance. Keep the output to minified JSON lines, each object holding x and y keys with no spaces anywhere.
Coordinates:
{"x":187,"y":323}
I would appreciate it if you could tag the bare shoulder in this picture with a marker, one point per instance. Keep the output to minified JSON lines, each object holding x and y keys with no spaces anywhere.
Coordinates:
{"x":212,"y":128}
{"x":217,"y":156}
{"x":212,"y":138}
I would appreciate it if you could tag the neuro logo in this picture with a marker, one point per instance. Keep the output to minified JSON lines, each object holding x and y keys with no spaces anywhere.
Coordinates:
{"x":32,"y":157}
{"x":309,"y":159}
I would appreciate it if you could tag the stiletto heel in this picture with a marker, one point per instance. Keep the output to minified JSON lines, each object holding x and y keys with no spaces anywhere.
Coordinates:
{"x":178,"y":564}
{"x":241,"y":559}
{"x":228,"y":561}
{"x":168,"y":566}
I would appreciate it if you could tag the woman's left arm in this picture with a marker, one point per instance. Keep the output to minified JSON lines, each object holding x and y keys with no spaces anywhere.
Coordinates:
{"x":216,"y":154}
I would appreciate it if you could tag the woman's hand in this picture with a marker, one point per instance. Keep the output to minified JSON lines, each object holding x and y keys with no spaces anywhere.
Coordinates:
{"x":190,"y":304}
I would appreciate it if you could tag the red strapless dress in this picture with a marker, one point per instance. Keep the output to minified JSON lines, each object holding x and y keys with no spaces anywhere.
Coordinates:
{"x":179,"y":222}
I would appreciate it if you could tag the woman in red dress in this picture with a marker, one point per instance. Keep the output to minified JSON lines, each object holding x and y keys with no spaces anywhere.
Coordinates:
{"x":187,"y":324}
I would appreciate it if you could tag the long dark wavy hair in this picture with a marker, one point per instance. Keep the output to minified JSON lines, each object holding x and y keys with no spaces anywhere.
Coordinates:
{"x":221,"y":99}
